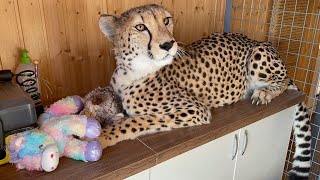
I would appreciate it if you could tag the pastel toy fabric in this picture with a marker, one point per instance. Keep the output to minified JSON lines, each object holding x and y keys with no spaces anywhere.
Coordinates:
{"x":41,"y":148}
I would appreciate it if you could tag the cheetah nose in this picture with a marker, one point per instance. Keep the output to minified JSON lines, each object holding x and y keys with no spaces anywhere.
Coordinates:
{"x":167,"y":45}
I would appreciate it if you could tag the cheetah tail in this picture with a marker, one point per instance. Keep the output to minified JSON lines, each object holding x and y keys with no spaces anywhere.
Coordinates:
{"x":302,"y":133}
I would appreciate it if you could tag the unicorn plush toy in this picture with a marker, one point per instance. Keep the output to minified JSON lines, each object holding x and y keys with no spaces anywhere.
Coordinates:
{"x":59,"y":134}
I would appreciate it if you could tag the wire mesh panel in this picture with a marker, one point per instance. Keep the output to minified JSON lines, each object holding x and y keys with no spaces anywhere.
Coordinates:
{"x":293,"y":27}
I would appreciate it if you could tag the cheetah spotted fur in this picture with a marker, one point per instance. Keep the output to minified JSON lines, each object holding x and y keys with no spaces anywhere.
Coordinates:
{"x":163,"y":87}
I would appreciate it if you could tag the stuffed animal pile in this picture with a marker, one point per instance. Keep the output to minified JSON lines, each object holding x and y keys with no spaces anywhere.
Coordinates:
{"x":59,"y":134}
{"x":61,"y":130}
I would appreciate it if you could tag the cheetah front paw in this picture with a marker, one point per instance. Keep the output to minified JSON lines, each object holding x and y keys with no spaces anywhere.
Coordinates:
{"x":107,"y":137}
{"x":261,"y":96}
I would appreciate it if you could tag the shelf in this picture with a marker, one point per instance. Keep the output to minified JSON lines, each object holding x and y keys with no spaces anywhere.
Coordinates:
{"x":130,"y":157}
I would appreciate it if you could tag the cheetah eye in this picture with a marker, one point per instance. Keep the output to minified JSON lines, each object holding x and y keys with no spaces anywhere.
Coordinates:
{"x":140,"y":27}
{"x":166,"y":20}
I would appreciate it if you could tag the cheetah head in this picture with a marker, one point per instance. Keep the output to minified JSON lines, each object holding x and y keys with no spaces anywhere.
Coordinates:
{"x":142,"y":36}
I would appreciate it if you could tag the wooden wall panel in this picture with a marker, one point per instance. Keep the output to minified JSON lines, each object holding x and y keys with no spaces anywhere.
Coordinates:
{"x":97,"y":46}
{"x":58,"y":48}
{"x":79,"y":69}
{"x":32,"y":26}
{"x":10,"y":39}
{"x":64,"y":35}
{"x":197,"y":19}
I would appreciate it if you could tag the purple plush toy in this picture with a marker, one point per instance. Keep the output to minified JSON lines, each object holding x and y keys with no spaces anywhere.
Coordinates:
{"x":41,"y":149}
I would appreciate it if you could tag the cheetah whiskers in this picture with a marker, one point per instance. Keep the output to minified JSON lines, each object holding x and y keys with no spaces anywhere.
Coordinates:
{"x":181,"y":53}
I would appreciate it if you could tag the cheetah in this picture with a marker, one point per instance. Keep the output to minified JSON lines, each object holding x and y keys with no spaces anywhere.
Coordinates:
{"x":163,"y":86}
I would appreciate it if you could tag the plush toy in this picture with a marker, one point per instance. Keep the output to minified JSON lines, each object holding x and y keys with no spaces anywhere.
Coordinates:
{"x":104,"y":105}
{"x":57,"y":136}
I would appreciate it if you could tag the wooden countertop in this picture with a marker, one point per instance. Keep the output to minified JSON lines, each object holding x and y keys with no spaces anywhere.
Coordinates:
{"x":130,"y":157}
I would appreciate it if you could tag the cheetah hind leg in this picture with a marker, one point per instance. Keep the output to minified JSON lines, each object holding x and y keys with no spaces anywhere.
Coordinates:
{"x":264,"y":95}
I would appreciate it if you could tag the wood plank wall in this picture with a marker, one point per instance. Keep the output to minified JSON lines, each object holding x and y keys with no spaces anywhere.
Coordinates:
{"x":64,"y":35}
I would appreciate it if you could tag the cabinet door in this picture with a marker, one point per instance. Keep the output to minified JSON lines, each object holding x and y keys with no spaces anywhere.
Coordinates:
{"x":267,"y":142}
{"x":209,"y":161}
{"x":144,"y":175}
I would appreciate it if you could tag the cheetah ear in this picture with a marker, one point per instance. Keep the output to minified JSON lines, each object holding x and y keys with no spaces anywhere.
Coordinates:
{"x":107,"y":25}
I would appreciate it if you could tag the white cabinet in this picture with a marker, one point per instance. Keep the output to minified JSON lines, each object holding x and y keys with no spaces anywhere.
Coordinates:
{"x":259,"y":153}
{"x":209,"y":161}
{"x":144,"y":175}
{"x":267,"y":143}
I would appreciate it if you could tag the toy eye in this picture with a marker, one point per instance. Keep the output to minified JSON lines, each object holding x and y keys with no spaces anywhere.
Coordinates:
{"x":140,"y":27}
{"x":166,"y":20}
{"x":41,"y":146}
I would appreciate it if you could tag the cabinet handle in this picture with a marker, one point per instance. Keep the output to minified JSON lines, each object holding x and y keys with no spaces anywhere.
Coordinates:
{"x":235,"y":152}
{"x":246,"y":142}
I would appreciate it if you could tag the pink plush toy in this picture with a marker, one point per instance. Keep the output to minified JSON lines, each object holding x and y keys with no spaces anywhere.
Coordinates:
{"x":41,"y":149}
